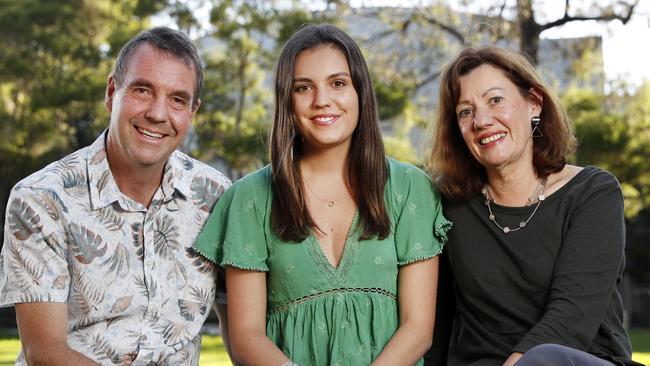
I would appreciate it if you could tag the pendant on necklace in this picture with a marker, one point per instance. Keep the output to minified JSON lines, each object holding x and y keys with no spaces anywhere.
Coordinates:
{"x":330,"y":203}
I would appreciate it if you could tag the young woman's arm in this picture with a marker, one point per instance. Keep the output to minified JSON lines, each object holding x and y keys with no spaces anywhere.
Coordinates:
{"x":417,"y":284}
{"x":247,"y":319}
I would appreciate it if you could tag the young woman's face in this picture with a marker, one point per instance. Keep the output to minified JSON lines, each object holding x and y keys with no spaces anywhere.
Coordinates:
{"x":325,"y":103}
{"x":494,"y":118}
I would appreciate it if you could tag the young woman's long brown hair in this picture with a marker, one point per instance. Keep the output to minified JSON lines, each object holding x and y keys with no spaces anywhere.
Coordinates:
{"x":290,"y":218}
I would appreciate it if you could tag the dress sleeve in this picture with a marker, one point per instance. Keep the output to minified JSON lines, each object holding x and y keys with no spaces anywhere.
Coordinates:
{"x":586,"y":271}
{"x":33,"y":265}
{"x":234,"y":233}
{"x":420,"y":227}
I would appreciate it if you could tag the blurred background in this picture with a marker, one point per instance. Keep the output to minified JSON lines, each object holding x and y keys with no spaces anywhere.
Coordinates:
{"x":55,"y":56}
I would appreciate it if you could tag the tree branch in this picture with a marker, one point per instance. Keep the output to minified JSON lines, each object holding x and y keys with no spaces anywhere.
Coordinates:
{"x":603,"y":17}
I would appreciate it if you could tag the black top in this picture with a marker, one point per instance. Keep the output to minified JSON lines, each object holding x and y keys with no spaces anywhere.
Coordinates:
{"x":553,"y":281}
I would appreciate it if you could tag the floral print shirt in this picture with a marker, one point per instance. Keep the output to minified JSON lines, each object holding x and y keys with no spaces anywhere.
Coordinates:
{"x":137,"y":293}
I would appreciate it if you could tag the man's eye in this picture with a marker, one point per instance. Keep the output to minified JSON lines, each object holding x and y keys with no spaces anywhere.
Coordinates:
{"x":141,"y":91}
{"x":179,"y":103}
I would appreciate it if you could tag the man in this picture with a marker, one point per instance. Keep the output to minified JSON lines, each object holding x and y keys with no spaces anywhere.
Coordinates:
{"x":97,"y":256}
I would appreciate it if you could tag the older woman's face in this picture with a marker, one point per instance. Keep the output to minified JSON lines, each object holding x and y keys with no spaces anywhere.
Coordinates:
{"x":494,"y":119}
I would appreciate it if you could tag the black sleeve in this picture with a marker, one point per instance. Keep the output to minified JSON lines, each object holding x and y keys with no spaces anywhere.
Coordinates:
{"x":445,"y":313}
{"x":586,"y":270}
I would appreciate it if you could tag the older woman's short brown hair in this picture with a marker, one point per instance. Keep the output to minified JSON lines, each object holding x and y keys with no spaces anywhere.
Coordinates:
{"x":453,"y":168}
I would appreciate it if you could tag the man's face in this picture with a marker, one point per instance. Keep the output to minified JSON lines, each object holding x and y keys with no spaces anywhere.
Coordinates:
{"x":151,"y":110}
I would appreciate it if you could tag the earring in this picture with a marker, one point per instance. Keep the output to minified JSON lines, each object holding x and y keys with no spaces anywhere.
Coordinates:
{"x":536,"y":132}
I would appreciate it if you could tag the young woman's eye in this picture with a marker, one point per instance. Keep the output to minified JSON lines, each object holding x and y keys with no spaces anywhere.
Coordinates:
{"x":301,"y":88}
{"x":339,"y":83}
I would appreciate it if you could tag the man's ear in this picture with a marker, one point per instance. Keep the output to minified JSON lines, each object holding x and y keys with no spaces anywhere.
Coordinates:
{"x":195,"y":106}
{"x":110,"y":91}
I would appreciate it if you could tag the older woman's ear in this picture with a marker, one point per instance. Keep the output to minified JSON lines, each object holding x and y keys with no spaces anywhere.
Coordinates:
{"x":537,"y":98}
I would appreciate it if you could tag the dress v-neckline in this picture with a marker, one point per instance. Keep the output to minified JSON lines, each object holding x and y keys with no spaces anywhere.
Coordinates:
{"x":348,"y":248}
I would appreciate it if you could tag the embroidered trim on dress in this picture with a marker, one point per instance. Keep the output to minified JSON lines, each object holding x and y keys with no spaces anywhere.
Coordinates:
{"x":418,"y":259}
{"x":335,"y":275}
{"x":333,"y":291}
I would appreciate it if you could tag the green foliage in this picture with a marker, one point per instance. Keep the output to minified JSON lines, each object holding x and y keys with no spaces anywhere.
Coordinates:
{"x":54,"y":60}
{"x":613,"y":133}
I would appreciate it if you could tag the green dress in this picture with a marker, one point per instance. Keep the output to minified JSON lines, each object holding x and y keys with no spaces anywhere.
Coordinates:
{"x":319,"y":314}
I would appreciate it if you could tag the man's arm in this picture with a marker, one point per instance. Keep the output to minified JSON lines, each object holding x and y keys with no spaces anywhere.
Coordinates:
{"x":43,"y":329}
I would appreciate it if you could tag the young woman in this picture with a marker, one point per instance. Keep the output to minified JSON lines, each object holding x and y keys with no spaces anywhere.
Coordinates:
{"x":331,"y":251}
{"x":537,"y":254}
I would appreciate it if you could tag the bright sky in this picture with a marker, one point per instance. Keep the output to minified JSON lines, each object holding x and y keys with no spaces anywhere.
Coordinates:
{"x":626,"y":48}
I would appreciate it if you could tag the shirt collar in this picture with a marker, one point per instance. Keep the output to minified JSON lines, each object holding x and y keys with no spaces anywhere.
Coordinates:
{"x":104,"y":190}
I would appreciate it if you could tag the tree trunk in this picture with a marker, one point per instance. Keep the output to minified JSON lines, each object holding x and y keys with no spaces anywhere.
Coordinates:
{"x":529,"y":30}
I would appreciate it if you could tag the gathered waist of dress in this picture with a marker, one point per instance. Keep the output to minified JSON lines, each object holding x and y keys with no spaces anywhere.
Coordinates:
{"x":331,"y":292}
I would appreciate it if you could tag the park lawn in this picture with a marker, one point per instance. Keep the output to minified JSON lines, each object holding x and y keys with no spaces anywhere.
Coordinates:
{"x":214,"y":353}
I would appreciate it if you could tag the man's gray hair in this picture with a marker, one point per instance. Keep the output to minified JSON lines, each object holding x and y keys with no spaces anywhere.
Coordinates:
{"x":172,"y":42}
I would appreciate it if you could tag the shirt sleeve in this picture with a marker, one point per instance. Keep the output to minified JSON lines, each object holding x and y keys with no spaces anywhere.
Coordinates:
{"x":420,"y":227}
{"x":234,"y":234}
{"x":586,"y":271}
{"x":33,"y":265}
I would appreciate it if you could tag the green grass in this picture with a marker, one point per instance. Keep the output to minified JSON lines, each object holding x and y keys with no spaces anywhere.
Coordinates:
{"x":214,"y":352}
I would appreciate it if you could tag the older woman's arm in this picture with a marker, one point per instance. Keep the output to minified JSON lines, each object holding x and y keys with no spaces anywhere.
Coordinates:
{"x":586,"y":271}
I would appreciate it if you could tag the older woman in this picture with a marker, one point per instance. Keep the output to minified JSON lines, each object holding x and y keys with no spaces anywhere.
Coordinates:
{"x":537,"y":244}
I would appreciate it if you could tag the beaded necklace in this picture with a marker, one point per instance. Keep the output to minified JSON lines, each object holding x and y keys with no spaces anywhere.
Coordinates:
{"x":531,"y":199}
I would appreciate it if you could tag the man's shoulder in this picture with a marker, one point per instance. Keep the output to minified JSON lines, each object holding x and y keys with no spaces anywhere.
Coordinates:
{"x":197,"y":168}
{"x":56,"y":174}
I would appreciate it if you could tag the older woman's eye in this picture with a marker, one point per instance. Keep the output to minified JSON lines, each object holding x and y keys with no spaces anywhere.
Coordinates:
{"x":464,"y":113}
{"x":496,"y":100}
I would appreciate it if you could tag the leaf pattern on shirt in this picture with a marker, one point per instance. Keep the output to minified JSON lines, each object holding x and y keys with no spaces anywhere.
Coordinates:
{"x":74,"y":248}
{"x":147,"y":288}
{"x":187,"y":163}
{"x":174,"y":332}
{"x":32,"y":297}
{"x":74,"y":183}
{"x":60,"y":281}
{"x":199,"y":262}
{"x":98,"y":157}
{"x":86,"y":295}
{"x":86,"y":245}
{"x":137,"y":235}
{"x":103,"y":350}
{"x":53,"y":204}
{"x":120,"y":305}
{"x":56,"y":247}
{"x":109,"y":218}
{"x":205,"y":192}
{"x":119,"y":263}
{"x":28,"y":272}
{"x":189,"y":309}
{"x":165,"y":237}
{"x":179,"y":272}
{"x":103,"y":180}
{"x":23,"y":220}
